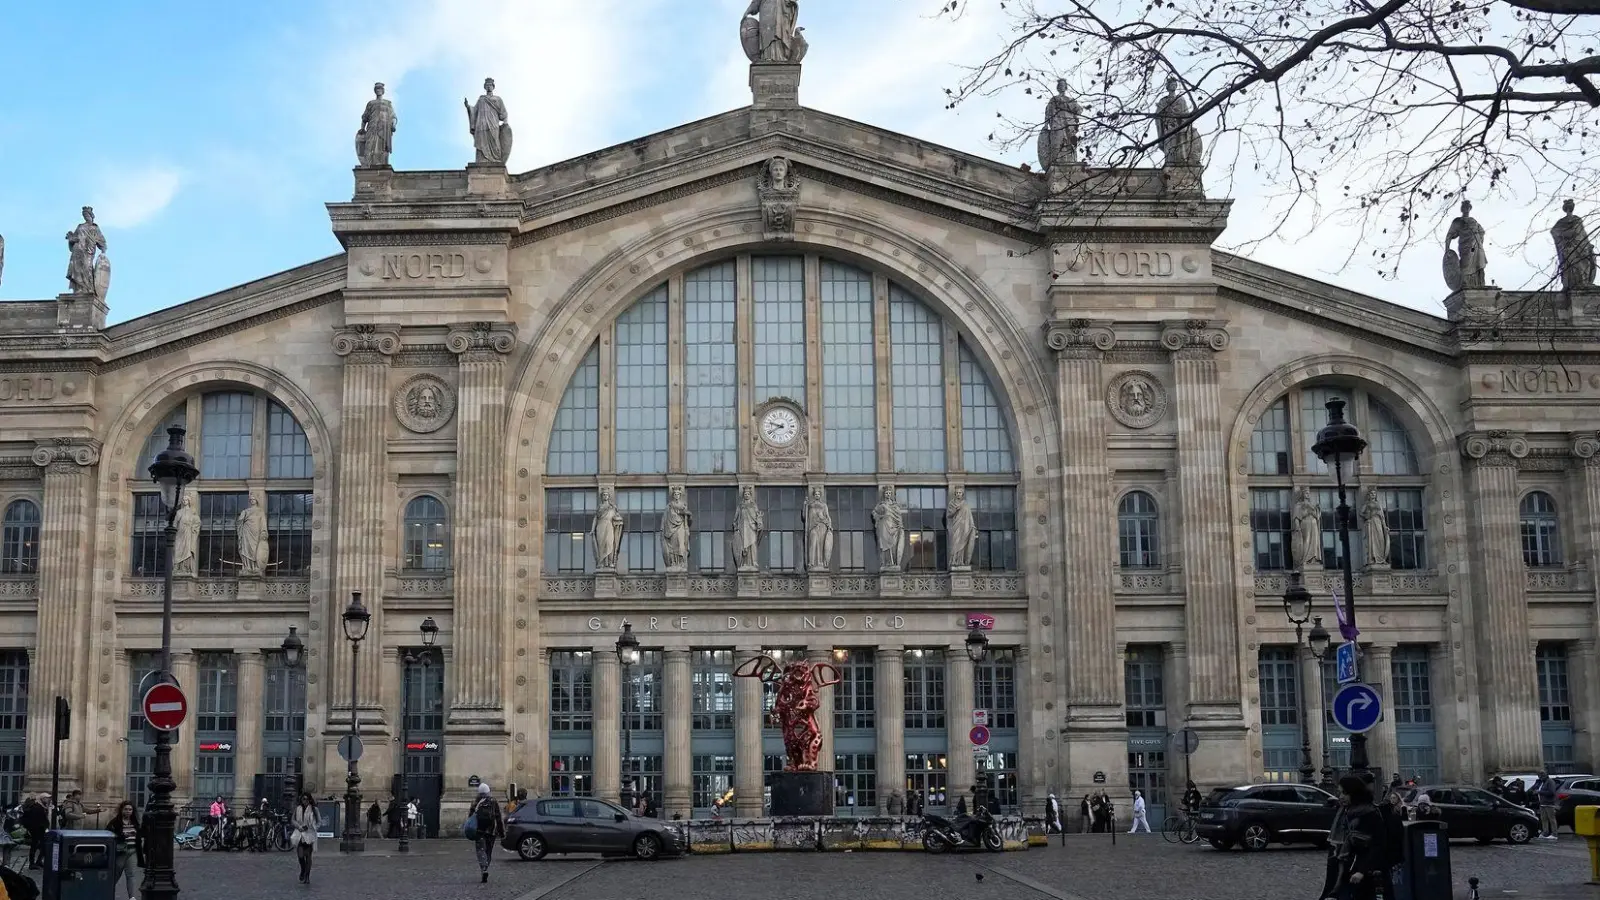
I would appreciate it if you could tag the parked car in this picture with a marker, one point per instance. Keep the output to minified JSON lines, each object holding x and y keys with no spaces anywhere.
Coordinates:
{"x":1472,"y":812}
{"x":585,"y":825}
{"x":1255,"y":815}
{"x":1572,"y":792}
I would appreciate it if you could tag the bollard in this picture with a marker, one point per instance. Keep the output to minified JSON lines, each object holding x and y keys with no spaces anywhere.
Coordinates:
{"x":1472,"y":885}
{"x":1586,"y":822}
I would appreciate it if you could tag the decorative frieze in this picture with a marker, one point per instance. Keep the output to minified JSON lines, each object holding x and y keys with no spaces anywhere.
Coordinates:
{"x":14,"y":587}
{"x":1142,"y":583}
{"x":1494,"y":448}
{"x":1374,"y":583}
{"x":571,"y":587}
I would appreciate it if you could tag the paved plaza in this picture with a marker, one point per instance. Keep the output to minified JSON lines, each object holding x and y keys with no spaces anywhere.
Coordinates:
{"x":1086,"y":868}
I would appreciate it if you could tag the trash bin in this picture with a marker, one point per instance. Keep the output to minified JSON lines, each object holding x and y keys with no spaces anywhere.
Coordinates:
{"x":80,"y":865}
{"x":1424,"y":870}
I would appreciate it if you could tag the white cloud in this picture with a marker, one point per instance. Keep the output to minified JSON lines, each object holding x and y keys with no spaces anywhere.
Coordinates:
{"x":130,"y":197}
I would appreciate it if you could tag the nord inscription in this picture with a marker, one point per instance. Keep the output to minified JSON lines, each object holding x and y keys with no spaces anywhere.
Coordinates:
{"x":26,"y":388}
{"x":1540,"y":380}
{"x":424,"y":266}
{"x":1125,"y":263}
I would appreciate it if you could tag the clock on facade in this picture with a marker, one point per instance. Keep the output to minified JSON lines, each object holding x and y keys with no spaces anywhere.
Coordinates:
{"x":780,"y":426}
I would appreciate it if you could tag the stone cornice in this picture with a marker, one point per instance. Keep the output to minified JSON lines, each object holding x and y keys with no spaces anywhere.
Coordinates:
{"x":480,"y":339}
{"x":1080,"y":337}
{"x":1191,"y":335}
{"x":66,"y":454}
{"x":223,"y":330}
{"x":368,"y":341}
{"x":1494,"y":448}
{"x":427,"y":239}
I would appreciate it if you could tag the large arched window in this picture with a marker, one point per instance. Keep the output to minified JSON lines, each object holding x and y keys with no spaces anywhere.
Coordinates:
{"x":1541,"y":530}
{"x":1281,"y":464}
{"x":791,"y":372}
{"x":1138,"y":532}
{"x":426,"y":535}
{"x":246,"y":445}
{"x":19,"y":539}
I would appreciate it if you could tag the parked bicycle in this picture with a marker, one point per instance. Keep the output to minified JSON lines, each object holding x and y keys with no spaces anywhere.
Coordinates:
{"x":1179,"y":828}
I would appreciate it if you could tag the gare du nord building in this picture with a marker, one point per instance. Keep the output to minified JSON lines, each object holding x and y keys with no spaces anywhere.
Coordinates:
{"x":430,"y":418}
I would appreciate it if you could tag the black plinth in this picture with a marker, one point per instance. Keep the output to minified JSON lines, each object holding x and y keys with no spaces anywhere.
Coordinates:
{"x":802,"y":794}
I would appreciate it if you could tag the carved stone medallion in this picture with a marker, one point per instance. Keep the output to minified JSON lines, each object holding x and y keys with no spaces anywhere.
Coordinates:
{"x":1136,"y":399}
{"x":424,"y":403}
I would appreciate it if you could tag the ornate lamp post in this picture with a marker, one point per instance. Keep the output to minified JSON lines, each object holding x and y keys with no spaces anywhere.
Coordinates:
{"x":172,"y":471}
{"x":430,"y":633}
{"x":356,"y":620}
{"x":1339,"y":445}
{"x":293,"y":653}
{"x":627,"y":655}
{"x":977,"y":650}
{"x":1319,"y":641}
{"x":1297,"y":608}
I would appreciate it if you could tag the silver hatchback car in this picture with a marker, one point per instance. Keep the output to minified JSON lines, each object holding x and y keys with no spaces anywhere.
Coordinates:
{"x":585,"y":825}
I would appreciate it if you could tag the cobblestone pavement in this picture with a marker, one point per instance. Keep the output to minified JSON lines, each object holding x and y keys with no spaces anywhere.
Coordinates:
{"x":1087,"y":868}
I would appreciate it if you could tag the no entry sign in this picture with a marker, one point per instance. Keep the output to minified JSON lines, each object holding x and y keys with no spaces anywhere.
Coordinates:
{"x":165,"y":707}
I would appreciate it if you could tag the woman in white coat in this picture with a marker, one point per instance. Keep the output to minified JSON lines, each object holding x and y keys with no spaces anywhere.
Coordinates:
{"x":1139,"y":816}
{"x":304,"y":839}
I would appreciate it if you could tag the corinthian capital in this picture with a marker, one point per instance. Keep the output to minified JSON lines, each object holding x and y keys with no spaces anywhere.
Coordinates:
{"x":1494,"y":448}
{"x":1195,"y":334}
{"x":482,"y":337}
{"x":1079,"y":336}
{"x":382,"y":340}
{"x":66,"y":454}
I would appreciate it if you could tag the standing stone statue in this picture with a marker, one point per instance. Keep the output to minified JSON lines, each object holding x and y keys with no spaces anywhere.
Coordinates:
{"x":607,"y":531}
{"x":486,"y":119}
{"x":186,"y":545}
{"x":1464,"y":270}
{"x":890,"y":521}
{"x":83,"y":243}
{"x":1307,"y":530}
{"x":675,"y":525}
{"x":252,"y":533}
{"x":1574,"y":251}
{"x":375,"y":140}
{"x":2,"y":258}
{"x":770,"y":32}
{"x":962,"y":530}
{"x":1180,"y":141}
{"x":1058,"y":139}
{"x":747,"y":527}
{"x":1375,"y":528}
{"x":819,"y":531}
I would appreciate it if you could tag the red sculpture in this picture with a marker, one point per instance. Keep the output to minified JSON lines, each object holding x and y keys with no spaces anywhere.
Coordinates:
{"x":796,"y":704}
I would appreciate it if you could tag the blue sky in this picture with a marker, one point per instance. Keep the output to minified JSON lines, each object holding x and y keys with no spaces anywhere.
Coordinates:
{"x":208,"y":143}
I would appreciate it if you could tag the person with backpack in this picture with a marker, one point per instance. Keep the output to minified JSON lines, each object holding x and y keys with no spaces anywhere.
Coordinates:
{"x":486,"y":825}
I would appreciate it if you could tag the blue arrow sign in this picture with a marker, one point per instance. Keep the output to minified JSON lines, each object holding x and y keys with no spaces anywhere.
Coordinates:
{"x":1345,"y":662}
{"x":1357,"y":708}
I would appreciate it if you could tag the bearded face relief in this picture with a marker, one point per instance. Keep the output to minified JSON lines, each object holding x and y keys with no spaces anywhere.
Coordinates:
{"x":424,"y":404}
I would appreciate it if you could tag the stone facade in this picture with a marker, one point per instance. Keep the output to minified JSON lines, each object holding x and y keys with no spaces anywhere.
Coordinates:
{"x":432,"y":357}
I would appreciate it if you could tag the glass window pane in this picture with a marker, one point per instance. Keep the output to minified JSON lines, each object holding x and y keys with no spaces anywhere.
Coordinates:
{"x":1279,"y":678}
{"x":568,"y":516}
{"x":924,"y":689}
{"x":158,"y":440}
{"x":855,"y":542}
{"x":1270,"y":527}
{"x":641,"y":530}
{"x":985,"y":437}
{"x":225,"y":423}
{"x":1269,"y":443}
{"x":288,"y":451}
{"x":1408,"y":538}
{"x":642,"y":394}
{"x":147,"y":557}
{"x":19,"y":538}
{"x":855,"y":696}
{"x":288,"y":533}
{"x":427,"y":533}
{"x":994,"y":514}
{"x":571,"y":690}
{"x":927,"y":544}
{"x":780,"y":328}
{"x":219,"y":537}
{"x":849,"y":373}
{"x":1389,"y":446}
{"x":917,"y":384}
{"x":710,"y":370}
{"x":1138,"y":540}
{"x":1314,"y":415}
{"x":1328,"y":501}
{"x":783,"y":545}
{"x":575,"y":437}
{"x":711,"y":676}
{"x":1541,"y":530}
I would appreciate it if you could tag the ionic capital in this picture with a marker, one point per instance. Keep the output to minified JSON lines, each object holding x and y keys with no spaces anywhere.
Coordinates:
{"x":480,"y":338}
{"x":66,"y":455}
{"x":1586,"y":446}
{"x":1494,"y":448}
{"x":1195,"y":335}
{"x":1076,"y":337}
{"x":366,"y":340}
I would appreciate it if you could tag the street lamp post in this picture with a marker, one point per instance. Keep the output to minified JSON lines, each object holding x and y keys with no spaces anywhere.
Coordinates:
{"x":356,"y":620}
{"x":293,"y":650}
{"x":627,"y":655}
{"x":977,"y":650}
{"x":1297,"y":608}
{"x":172,"y":471}
{"x":430,"y":632}
{"x":1339,"y":445}
{"x":1319,"y":640}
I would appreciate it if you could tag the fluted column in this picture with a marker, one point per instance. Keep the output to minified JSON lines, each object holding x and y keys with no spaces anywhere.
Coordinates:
{"x":958,"y":702}
{"x":1034,"y":771}
{"x":1586,"y":447}
{"x":1448,"y":735}
{"x":1382,"y":750}
{"x":747,"y":754}
{"x":64,"y":548}
{"x":247,"y":731}
{"x":186,"y":668}
{"x":607,"y":726}
{"x":1311,"y":686}
{"x":1208,"y":578}
{"x":817,"y":655}
{"x":360,"y":512}
{"x":678,"y":698}
{"x":891,"y":704}
{"x":1585,"y":703}
{"x":1507,"y":673}
{"x":480,"y":524}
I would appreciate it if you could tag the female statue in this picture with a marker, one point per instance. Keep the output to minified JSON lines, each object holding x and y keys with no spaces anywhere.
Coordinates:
{"x":747,"y":527}
{"x":607,"y":531}
{"x":1307,"y":530}
{"x":675,"y":524}
{"x":963,"y":531}
{"x":819,"y":531}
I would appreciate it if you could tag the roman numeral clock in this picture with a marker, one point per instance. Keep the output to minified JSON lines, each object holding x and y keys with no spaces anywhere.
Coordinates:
{"x":780,"y":437}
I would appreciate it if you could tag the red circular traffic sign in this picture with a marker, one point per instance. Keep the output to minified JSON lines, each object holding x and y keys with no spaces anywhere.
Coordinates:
{"x":979,"y":735}
{"x":165,"y":707}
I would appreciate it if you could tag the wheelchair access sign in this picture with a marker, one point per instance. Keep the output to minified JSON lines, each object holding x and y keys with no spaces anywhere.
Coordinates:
{"x":1357,"y":708}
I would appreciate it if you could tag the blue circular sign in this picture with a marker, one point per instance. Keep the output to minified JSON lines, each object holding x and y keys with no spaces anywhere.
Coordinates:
{"x":1357,"y":708}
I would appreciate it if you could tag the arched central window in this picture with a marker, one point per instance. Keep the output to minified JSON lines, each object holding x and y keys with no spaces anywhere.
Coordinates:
{"x":870,"y":385}
{"x":1541,"y":530}
{"x":19,"y":539}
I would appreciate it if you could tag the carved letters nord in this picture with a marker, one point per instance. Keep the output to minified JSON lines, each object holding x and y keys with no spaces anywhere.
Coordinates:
{"x":425,"y":266}
{"x":1540,"y":380}
{"x":1129,"y":264}
{"x":26,"y":388}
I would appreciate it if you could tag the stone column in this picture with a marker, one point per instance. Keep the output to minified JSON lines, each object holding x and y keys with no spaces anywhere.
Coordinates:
{"x":678,"y":703}
{"x":247,"y":730}
{"x":186,"y":668}
{"x":1311,"y":684}
{"x":607,"y":726}
{"x":891,"y":705}
{"x":1382,"y":750}
{"x":1448,"y":736}
{"x":1585,"y":703}
{"x":1508,"y":679}
{"x":1034,"y":769}
{"x":748,"y":780}
{"x":818,"y":656}
{"x":958,"y":702}
{"x":1586,"y":447}
{"x":63,"y":612}
{"x":360,"y":512}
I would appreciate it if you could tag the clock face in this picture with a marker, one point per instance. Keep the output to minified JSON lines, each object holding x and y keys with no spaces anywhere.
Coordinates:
{"x":780,"y":427}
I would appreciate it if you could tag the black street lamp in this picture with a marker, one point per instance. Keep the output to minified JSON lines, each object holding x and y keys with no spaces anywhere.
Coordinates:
{"x":1319,"y":641}
{"x":172,"y":471}
{"x":430,"y":633}
{"x":627,"y":655}
{"x":977,"y":650}
{"x":293,"y":653}
{"x":1339,"y":445}
{"x":1297,"y":608}
{"x":356,"y":620}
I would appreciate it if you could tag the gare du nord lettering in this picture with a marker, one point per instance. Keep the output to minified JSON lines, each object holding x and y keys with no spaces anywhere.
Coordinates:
{"x":755,"y":623}
{"x":424,"y":265}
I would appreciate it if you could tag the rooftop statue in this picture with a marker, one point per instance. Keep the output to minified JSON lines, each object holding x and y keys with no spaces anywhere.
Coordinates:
{"x":1058,"y":139}
{"x":1180,"y":142}
{"x":375,"y":140}
{"x":770,"y":32}
{"x":1574,"y":251}
{"x":1464,"y":268}
{"x":88,"y":269}
{"x":486,"y":119}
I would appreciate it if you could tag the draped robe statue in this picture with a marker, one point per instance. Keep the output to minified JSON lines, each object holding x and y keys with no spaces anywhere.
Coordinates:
{"x":185,"y":547}
{"x":252,"y":533}
{"x":889,"y":520}
{"x":1464,"y":268}
{"x":819,"y":531}
{"x":961,"y":528}
{"x":82,"y":244}
{"x":607,"y":531}
{"x":1180,"y":142}
{"x":1307,"y":530}
{"x":675,"y":526}
{"x":1058,"y":139}
{"x":770,"y":32}
{"x":1375,"y":529}
{"x":486,"y":119}
{"x":375,"y":140}
{"x":1574,"y":251}
{"x":747,"y":527}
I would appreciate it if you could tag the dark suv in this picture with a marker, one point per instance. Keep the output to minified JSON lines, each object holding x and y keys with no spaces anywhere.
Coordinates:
{"x":1573,"y":791}
{"x":1472,"y":812}
{"x":1255,"y":815}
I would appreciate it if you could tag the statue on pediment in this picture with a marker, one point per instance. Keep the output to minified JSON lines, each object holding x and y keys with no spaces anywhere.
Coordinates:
{"x":1375,"y":529}
{"x":486,"y":120}
{"x":1058,"y":139}
{"x":86,"y":247}
{"x":748,"y":524}
{"x":375,"y":140}
{"x":1574,"y":251}
{"x":889,"y":520}
{"x":770,"y":32}
{"x":1180,"y":140}
{"x":1464,"y":267}
{"x":819,"y":531}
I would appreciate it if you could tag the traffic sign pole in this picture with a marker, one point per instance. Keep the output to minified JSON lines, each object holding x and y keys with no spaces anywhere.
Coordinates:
{"x":1357,"y":708}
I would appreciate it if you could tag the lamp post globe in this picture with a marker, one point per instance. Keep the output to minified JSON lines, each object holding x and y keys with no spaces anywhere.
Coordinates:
{"x":627,"y":655}
{"x":357,"y":619}
{"x":293,"y":654}
{"x":1339,"y":445}
{"x":1319,"y":639}
{"x":1297,"y":609}
{"x":977,"y":644}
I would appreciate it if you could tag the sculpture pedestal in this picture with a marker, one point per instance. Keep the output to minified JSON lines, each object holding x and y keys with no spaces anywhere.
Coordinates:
{"x":802,"y":794}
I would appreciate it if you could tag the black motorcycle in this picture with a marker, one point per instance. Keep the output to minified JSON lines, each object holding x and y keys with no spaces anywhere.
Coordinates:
{"x":975,"y":832}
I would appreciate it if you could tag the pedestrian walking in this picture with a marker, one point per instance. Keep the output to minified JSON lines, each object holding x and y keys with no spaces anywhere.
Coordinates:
{"x":375,"y":820}
{"x":36,"y":821}
{"x":304,"y":838}
{"x":1544,"y":792}
{"x":73,"y":812}
{"x":490,"y":826}
{"x":1052,"y":815}
{"x":129,"y":838}
{"x":413,"y":814}
{"x":1424,"y":810}
{"x":1139,"y":816}
{"x":1085,"y":815}
{"x":1356,"y":845}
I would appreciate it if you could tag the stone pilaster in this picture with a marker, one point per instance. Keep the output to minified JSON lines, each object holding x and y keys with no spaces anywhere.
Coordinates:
{"x":480,"y":528}
{"x":1039,"y":765}
{"x":360,"y":513}
{"x":820,"y":656}
{"x":1586,"y":447}
{"x":186,"y":668}
{"x":1585,"y":703}
{"x":747,"y":755}
{"x":1450,"y":736}
{"x":65,"y":545}
{"x":607,"y":726}
{"x":1316,"y":720}
{"x":247,"y":732}
{"x":891,"y":704}
{"x":678,"y":708}
{"x":1509,"y":692}
{"x":1382,"y":749}
{"x":958,"y":702}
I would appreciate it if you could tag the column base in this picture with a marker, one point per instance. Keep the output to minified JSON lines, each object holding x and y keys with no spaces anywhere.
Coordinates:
{"x":1095,"y":747}
{"x":1223,"y":756}
{"x":605,"y":585}
{"x":677,"y":586}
